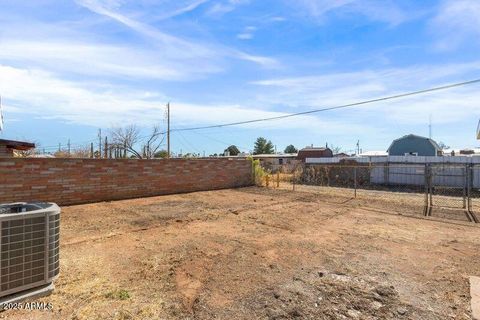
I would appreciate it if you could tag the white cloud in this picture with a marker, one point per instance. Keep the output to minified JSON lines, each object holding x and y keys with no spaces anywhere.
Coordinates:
{"x":278,"y":19}
{"x":42,"y":94}
{"x":175,"y":46}
{"x":247,"y":34}
{"x":456,"y":22}
{"x":329,"y":90}
{"x":47,"y":96}
{"x":69,"y":56}
{"x":386,"y":11}
{"x":163,"y":38}
{"x":224,"y":7}
{"x":191,"y":6}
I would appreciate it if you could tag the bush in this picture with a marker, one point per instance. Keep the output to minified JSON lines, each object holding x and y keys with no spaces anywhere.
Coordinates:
{"x":258,"y":172}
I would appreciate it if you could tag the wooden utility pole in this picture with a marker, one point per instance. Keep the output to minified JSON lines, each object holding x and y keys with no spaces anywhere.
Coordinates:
{"x":168,"y":130}
{"x":99,"y":143}
{"x":91,"y":150}
{"x":68,"y":144}
{"x":105,"y":149}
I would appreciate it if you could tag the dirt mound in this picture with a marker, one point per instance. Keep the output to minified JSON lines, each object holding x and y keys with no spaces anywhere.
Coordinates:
{"x":321,"y":295}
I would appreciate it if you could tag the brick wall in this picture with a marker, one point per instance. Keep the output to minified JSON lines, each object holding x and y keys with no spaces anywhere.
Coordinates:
{"x":75,"y":181}
{"x":5,"y":152}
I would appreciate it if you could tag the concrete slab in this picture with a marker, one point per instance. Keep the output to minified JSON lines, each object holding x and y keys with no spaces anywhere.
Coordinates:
{"x":28,"y":294}
{"x":475,"y":295}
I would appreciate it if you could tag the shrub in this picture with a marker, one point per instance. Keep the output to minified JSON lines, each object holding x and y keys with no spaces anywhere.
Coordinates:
{"x":258,"y":172}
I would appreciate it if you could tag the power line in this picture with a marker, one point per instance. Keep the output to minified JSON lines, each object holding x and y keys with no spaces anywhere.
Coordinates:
{"x":402,"y":95}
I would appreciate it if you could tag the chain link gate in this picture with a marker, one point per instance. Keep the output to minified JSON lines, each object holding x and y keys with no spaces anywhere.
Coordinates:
{"x":474,"y":192}
{"x":444,"y":189}
{"x":449,"y":189}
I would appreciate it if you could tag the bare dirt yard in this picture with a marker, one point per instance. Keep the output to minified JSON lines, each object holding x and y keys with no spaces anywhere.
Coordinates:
{"x":257,"y":253}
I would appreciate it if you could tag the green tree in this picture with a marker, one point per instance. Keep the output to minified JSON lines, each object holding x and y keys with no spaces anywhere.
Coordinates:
{"x":262,"y":146}
{"x":291,"y":149}
{"x":161,"y":154}
{"x":232,"y":150}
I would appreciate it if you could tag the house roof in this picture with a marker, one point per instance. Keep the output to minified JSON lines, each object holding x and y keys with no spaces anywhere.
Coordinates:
{"x":458,"y":152}
{"x":434,"y":144}
{"x":314,"y":149}
{"x":280,"y":155}
{"x":17,"y":145}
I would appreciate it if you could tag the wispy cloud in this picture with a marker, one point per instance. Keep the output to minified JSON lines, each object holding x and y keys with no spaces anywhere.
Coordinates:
{"x":456,"y":22}
{"x":247,"y":33}
{"x":223,"y":7}
{"x":69,"y":56}
{"x":171,"y":43}
{"x":182,"y":10}
{"x":342,"y":88}
{"x":96,"y":106}
{"x":385,"y":11}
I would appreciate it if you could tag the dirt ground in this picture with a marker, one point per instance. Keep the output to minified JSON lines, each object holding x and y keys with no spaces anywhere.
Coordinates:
{"x":257,"y":253}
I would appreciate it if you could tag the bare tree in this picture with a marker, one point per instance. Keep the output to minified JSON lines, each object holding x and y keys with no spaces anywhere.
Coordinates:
{"x":443,"y":146}
{"x":154,"y":142}
{"x":130,"y":140}
{"x":81,"y":152}
{"x":78,"y":152}
{"x":335,"y":149}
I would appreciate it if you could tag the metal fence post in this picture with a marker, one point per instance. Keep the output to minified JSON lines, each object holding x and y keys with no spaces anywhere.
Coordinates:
{"x":465,"y":188}
{"x":355,"y":180}
{"x":471,"y":172}
{"x":294,"y":177}
{"x":254,"y":177}
{"x":428,"y":196}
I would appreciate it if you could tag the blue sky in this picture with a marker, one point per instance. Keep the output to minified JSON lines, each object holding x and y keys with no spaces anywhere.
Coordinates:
{"x":68,"y":68}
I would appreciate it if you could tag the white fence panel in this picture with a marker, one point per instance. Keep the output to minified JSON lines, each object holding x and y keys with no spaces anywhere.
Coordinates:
{"x":476,"y":176}
{"x":449,"y":176}
{"x":377,"y":174}
{"x":406,"y":174}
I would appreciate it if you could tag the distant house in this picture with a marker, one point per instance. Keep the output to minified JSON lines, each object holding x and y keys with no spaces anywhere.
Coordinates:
{"x":275,"y":159}
{"x":7,"y":147}
{"x":341,"y":155}
{"x":314,"y":152}
{"x":415,"y":146}
{"x":462,"y":152}
{"x":373,"y":154}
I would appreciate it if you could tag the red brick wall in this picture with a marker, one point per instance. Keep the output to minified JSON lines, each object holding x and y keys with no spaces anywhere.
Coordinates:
{"x":75,"y":181}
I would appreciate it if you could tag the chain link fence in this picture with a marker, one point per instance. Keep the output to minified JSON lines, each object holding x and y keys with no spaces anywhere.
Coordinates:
{"x":445,"y":190}
{"x":474,"y":191}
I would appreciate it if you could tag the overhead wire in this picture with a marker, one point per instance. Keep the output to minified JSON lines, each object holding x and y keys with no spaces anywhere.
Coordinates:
{"x":290,"y":115}
{"x":349,"y":105}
